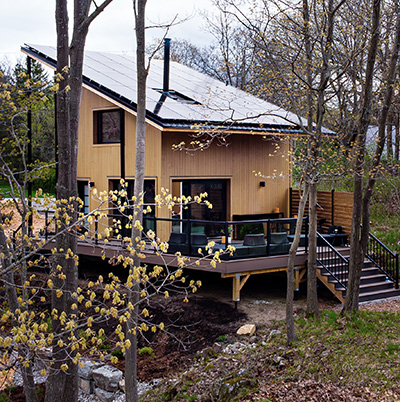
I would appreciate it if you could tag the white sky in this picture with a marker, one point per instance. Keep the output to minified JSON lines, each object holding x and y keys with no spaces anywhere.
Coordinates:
{"x":33,"y":21}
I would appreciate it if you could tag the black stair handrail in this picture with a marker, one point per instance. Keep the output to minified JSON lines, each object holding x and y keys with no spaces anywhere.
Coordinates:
{"x":384,"y":258}
{"x":338,"y":266}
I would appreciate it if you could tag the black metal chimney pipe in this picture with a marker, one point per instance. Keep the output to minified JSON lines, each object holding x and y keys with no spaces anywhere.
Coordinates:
{"x":166,"y":64}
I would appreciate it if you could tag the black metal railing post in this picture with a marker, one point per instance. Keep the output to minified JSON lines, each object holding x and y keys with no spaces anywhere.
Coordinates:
{"x":189,"y":234}
{"x":226,"y":234}
{"x":332,"y":261}
{"x":268,"y":237}
{"x":46,"y":221}
{"x":306,"y":234}
{"x":384,"y":258}
{"x":96,"y":230}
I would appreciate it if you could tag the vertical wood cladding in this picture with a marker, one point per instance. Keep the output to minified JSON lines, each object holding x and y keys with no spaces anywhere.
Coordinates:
{"x":237,"y":161}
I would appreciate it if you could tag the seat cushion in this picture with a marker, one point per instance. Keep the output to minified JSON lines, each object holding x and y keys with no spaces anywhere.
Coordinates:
{"x":254,"y":240}
{"x":177,"y":238}
{"x":197,"y":239}
{"x":279,"y":238}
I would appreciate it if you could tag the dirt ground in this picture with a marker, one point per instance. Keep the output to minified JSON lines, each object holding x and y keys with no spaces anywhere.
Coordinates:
{"x":211,"y":314}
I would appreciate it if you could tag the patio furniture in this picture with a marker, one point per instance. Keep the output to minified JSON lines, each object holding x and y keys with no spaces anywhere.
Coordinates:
{"x":279,"y":243}
{"x":255,"y":244}
{"x":178,"y":242}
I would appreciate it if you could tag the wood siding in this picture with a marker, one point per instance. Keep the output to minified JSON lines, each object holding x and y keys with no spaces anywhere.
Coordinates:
{"x":336,"y":207}
{"x":237,"y":162}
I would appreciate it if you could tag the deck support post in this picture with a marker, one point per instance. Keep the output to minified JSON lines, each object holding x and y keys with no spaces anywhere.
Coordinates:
{"x":237,"y":286}
{"x":299,"y":273}
{"x":296,"y":279}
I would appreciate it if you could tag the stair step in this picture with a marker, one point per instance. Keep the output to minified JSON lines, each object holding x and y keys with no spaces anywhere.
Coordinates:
{"x":367,"y":279}
{"x":374,"y":287}
{"x":382,"y":294}
{"x":368,"y":271}
{"x":333,"y":262}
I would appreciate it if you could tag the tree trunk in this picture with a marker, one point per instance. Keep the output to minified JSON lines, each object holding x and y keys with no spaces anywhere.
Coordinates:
{"x":356,"y":250}
{"x":63,"y":386}
{"x":131,"y":393}
{"x":397,"y":137}
{"x":389,"y":141}
{"x":291,"y":334}
{"x":312,"y":298}
{"x":56,"y":381}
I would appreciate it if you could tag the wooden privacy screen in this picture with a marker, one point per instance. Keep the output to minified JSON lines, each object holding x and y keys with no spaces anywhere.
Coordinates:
{"x":334,"y":206}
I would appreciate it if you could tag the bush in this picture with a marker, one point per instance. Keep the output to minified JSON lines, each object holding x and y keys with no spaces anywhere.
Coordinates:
{"x":45,"y":180}
{"x":146,"y":351}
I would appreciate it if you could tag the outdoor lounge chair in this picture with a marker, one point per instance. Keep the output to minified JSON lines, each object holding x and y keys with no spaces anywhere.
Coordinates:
{"x":279,"y":243}
{"x":177,"y":242}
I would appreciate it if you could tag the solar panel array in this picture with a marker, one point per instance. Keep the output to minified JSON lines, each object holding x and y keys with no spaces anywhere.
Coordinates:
{"x":215,"y":101}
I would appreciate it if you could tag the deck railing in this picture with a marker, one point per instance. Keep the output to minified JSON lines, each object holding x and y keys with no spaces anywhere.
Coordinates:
{"x":219,"y":231}
{"x":216,"y":230}
{"x":384,"y":258}
{"x":332,"y":261}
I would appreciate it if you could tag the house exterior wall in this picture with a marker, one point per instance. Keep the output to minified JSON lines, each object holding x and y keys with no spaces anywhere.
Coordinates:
{"x":245,"y":153}
{"x":100,"y":163}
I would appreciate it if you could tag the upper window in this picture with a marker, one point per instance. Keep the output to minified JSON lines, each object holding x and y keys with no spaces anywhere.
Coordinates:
{"x":108,"y":125}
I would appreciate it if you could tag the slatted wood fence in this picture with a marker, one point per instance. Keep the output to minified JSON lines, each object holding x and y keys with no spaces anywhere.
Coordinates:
{"x":334,"y":206}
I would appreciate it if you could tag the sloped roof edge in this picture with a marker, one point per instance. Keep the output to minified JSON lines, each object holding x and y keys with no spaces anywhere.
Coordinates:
{"x":182,"y":124}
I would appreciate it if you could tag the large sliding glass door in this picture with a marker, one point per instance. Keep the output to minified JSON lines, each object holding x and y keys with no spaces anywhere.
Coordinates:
{"x":149,"y":195}
{"x":216,"y":190}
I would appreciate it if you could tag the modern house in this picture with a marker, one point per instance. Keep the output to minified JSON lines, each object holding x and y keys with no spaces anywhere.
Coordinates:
{"x":201,"y":136}
{"x":240,"y":134}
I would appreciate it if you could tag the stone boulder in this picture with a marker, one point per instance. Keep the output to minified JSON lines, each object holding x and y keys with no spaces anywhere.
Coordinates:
{"x":248,"y":329}
{"x":86,"y":372}
{"x":107,"y":378}
{"x":104,"y":396}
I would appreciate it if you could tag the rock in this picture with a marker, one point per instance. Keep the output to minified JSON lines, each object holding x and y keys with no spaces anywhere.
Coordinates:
{"x":325,"y":353}
{"x":278,"y":360}
{"x":234,"y":348}
{"x":87,"y":386}
{"x":107,"y":378}
{"x":274,"y":332}
{"x":104,"y":396}
{"x":248,"y":329}
{"x":86,"y":371}
{"x":253,"y":339}
{"x":230,"y":388}
{"x":122,"y":385}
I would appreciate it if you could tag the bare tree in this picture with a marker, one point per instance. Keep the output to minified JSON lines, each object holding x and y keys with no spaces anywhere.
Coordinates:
{"x":362,"y":195}
{"x":139,"y":7}
{"x":63,"y":386}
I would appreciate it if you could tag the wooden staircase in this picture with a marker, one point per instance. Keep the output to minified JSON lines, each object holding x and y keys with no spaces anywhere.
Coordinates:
{"x":375,"y":284}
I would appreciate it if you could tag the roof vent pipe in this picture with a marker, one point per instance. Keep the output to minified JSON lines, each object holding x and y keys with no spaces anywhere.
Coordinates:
{"x":166,"y":65}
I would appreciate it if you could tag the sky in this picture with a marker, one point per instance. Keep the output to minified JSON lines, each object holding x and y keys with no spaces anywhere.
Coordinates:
{"x":33,"y":22}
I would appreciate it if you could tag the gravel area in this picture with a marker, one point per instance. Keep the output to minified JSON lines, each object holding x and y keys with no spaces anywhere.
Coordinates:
{"x":83,"y":397}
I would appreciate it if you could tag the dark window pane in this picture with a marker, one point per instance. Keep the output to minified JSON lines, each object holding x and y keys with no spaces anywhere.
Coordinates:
{"x":110,"y":125}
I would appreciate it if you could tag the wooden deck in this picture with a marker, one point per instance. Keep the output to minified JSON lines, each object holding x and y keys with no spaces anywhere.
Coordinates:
{"x":238,"y":269}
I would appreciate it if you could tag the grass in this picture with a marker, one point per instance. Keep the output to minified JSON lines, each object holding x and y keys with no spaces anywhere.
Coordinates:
{"x":354,"y":355}
{"x":363,"y":349}
{"x":385,"y":226}
{"x":5,"y":191}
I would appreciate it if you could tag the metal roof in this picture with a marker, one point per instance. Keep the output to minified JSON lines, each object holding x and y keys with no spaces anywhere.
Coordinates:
{"x":209,"y":103}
